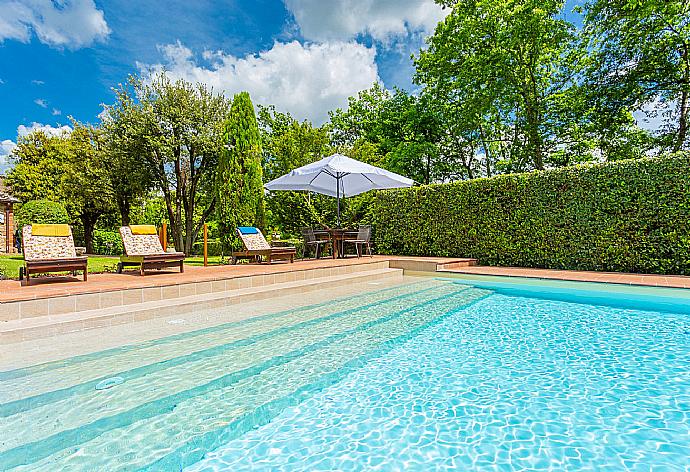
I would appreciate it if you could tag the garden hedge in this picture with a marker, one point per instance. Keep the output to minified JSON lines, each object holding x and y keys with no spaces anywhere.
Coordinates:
{"x":41,"y":211}
{"x":630,"y":216}
{"x":107,"y":243}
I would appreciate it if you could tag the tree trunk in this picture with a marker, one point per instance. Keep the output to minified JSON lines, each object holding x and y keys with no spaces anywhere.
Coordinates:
{"x":533,"y":137}
{"x":88,"y":221}
{"x":189,"y":232}
{"x":125,"y":207}
{"x":683,"y":122}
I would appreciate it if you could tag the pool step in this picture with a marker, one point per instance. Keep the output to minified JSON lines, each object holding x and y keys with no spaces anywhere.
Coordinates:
{"x":33,"y":381}
{"x":155,"y":380}
{"x":177,"y":428}
{"x":45,"y":326}
{"x":152,"y":288}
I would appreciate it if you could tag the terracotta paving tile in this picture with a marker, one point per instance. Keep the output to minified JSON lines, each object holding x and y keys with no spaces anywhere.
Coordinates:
{"x":49,"y":287}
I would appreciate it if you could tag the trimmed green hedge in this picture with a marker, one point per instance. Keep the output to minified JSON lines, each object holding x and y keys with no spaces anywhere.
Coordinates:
{"x":107,"y":243}
{"x":41,"y":211}
{"x":630,"y":216}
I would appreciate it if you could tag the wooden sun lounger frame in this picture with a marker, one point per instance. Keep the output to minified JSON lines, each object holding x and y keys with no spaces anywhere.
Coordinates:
{"x":270,"y":254}
{"x":39,"y":266}
{"x":152,"y":261}
{"x":275,"y":253}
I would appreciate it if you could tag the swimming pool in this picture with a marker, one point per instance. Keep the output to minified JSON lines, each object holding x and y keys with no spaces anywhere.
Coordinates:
{"x":439,"y":374}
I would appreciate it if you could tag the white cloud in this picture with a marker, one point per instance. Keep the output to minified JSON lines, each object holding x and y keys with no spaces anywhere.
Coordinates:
{"x":322,"y":20}
{"x":50,"y":130}
{"x":2,"y":82}
{"x":6,"y":148}
{"x":37,"y":82}
{"x":306,"y":80}
{"x":61,"y":23}
{"x":56,"y":112}
{"x":8,"y":145}
{"x":41,"y":102}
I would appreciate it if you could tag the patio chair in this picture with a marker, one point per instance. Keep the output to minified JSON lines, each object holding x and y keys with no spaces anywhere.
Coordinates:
{"x":362,"y":239}
{"x":143,"y":249}
{"x":256,"y":247}
{"x":312,"y":241}
{"x":50,"y":248}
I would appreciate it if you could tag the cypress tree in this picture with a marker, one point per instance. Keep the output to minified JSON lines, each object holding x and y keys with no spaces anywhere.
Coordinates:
{"x":239,"y":181}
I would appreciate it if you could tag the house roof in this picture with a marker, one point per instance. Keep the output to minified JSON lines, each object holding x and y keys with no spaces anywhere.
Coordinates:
{"x":7,"y":198}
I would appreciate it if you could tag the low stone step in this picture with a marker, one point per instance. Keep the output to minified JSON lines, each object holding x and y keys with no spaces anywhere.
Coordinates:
{"x":153,"y":290}
{"x":45,"y":326}
{"x":457,"y":264}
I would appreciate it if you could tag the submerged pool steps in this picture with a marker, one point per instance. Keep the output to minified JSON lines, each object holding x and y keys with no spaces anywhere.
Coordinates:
{"x":49,"y":382}
{"x":153,"y":382}
{"x":64,"y":373}
{"x":242,"y":390}
{"x":254,"y":288}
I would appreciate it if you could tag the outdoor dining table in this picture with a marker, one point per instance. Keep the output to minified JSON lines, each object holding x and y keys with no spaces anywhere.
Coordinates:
{"x":337,"y":236}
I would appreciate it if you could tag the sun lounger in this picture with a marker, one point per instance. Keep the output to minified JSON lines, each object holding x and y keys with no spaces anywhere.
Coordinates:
{"x":143,"y":249}
{"x":50,"y":248}
{"x":257,"y":248}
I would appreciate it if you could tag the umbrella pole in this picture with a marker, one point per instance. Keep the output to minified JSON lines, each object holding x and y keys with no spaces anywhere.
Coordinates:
{"x":337,"y":184}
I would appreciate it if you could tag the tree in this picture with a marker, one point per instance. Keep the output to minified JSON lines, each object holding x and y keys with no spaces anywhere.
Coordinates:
{"x":66,"y":169}
{"x":239,"y":181}
{"x":640,"y":57}
{"x":405,"y":129}
{"x":127,"y":176}
{"x":40,"y":160}
{"x":82,"y":179}
{"x":288,"y":144}
{"x":503,"y":66}
{"x":175,"y":129}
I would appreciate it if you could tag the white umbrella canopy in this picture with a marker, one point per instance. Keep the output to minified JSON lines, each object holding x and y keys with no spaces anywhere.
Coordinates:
{"x":354,"y":177}
{"x":339,"y":176}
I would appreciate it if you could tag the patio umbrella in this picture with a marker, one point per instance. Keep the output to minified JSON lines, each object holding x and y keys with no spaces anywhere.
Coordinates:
{"x":339,"y":176}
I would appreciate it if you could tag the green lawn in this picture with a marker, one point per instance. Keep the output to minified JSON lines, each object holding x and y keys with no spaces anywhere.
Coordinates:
{"x":199,"y":260}
{"x":10,"y":264}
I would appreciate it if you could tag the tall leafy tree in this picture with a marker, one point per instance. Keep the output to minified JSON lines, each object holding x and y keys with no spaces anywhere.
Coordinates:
{"x":68,"y":169}
{"x":175,"y":128}
{"x":406,"y":130}
{"x":288,"y":144}
{"x":503,"y":66}
{"x":239,"y":181}
{"x":40,"y":161}
{"x":83,"y":193}
{"x":640,"y":51}
{"x":128,"y":177}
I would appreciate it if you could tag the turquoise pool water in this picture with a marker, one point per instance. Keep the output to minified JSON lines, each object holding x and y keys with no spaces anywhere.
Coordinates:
{"x":467,"y":374}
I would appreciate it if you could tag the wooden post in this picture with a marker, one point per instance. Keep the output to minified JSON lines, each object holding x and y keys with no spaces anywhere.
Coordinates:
{"x":205,"y":245}
{"x":164,"y":236}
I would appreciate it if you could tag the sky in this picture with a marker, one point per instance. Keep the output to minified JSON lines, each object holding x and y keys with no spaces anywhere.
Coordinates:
{"x":62,"y":58}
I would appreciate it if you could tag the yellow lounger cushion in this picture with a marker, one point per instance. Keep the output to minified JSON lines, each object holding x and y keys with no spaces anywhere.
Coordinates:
{"x":143,"y":229}
{"x":58,"y":231}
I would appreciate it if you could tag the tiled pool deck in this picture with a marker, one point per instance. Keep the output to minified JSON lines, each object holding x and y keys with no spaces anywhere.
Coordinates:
{"x":46,"y":287}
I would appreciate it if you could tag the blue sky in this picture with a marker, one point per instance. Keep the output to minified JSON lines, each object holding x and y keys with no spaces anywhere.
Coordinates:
{"x":61,"y":58}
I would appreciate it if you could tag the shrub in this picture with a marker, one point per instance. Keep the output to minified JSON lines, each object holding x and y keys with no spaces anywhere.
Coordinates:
{"x":107,"y":243}
{"x":631,"y":216}
{"x":41,"y":211}
{"x":215,"y":247}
